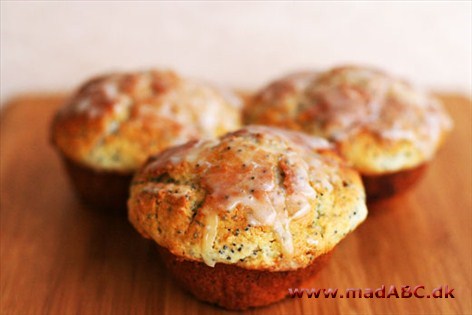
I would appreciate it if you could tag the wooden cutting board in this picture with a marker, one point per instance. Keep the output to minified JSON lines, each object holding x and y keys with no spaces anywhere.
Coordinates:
{"x":59,"y":257}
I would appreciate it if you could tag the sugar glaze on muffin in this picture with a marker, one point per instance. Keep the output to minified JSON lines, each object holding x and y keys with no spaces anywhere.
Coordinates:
{"x":259,"y":198}
{"x":380,"y":123}
{"x":116,"y":121}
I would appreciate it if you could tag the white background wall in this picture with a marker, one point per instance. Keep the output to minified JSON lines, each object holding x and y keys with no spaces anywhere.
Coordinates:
{"x":51,"y":46}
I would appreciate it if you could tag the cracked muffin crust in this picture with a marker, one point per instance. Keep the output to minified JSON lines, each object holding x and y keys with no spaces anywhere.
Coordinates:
{"x":380,"y":124}
{"x":114,"y":122}
{"x":256,"y":211}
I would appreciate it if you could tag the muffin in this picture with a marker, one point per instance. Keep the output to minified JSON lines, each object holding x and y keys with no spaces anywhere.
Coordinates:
{"x":387,"y":129}
{"x":115,"y":122}
{"x":240,"y":219}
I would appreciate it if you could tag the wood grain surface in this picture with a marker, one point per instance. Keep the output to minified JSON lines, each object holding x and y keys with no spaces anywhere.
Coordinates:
{"x":59,"y":257}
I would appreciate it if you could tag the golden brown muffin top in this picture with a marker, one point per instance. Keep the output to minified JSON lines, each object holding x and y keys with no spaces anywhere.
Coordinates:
{"x":361,"y":109}
{"x":260,"y":198}
{"x":115,"y":122}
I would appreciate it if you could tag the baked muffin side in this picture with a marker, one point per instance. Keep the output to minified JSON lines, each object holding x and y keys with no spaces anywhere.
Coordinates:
{"x":235,"y":288}
{"x":260,"y":198}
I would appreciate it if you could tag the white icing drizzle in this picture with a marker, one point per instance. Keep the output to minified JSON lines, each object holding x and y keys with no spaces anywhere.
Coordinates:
{"x":272,"y":180}
{"x":209,"y":236}
{"x":348,"y":99}
{"x":312,"y":241}
{"x":86,"y":101}
{"x":111,"y":90}
{"x":300,"y":140}
{"x":343,"y":101}
{"x":83,"y":105}
{"x":161,"y":100}
{"x":301,"y":80}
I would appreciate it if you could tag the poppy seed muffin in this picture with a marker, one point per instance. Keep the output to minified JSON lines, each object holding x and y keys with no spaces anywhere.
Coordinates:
{"x":115,"y":122}
{"x":384,"y":127}
{"x":241,"y":219}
